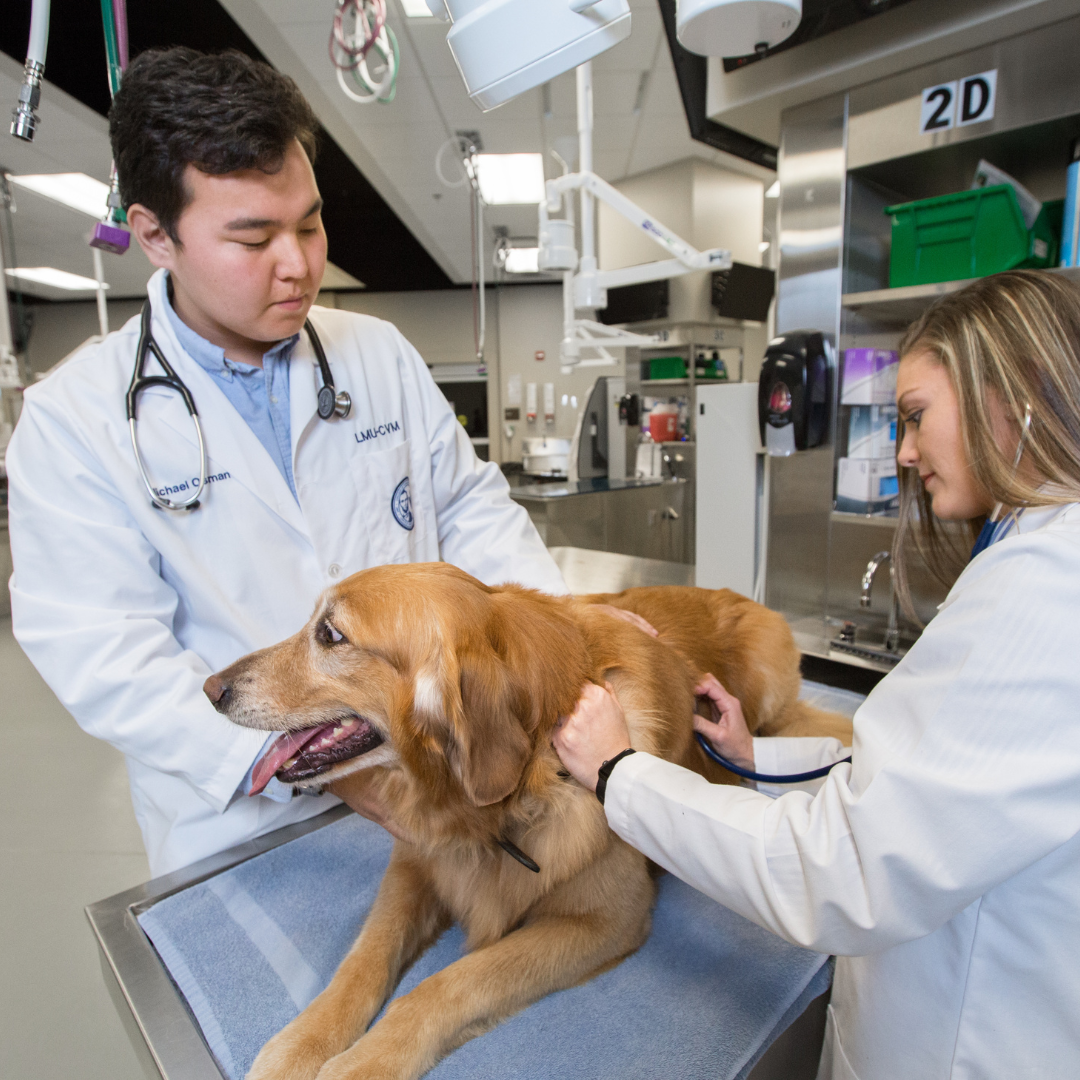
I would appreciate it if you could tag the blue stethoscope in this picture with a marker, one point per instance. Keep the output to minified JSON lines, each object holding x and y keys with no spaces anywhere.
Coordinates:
{"x":330,"y":404}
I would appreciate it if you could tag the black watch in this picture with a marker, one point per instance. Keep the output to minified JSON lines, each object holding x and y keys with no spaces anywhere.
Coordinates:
{"x":604,"y":772}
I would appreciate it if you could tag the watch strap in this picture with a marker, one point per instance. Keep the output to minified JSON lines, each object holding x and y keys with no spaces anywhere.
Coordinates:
{"x":604,"y":772}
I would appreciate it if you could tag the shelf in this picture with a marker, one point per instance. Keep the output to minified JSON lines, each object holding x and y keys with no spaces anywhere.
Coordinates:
{"x":663,"y":382}
{"x":904,"y":305}
{"x":879,"y":521}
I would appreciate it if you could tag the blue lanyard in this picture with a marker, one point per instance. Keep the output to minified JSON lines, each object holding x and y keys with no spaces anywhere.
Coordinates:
{"x":993,"y":531}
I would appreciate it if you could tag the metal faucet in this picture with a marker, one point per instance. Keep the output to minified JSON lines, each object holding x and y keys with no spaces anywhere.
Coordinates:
{"x":892,"y":632}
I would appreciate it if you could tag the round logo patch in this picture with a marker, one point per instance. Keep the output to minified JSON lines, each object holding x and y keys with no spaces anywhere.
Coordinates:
{"x":401,"y":505}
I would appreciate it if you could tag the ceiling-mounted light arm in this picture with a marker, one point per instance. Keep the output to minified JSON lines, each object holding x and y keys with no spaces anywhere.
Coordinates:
{"x":657,"y":231}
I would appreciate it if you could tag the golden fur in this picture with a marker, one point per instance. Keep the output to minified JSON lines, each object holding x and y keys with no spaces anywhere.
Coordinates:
{"x":465,"y":684}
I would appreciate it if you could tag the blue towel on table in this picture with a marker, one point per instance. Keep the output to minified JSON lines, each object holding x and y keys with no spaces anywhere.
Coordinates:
{"x":703,"y":998}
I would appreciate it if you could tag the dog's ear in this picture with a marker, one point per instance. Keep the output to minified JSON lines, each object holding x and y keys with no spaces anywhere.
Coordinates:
{"x":488,"y":748}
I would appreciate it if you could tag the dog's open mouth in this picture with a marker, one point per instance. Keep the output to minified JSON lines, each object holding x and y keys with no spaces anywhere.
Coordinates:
{"x":300,"y":755}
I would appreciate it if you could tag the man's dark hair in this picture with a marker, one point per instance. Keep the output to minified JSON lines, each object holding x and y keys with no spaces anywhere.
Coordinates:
{"x":220,"y":113}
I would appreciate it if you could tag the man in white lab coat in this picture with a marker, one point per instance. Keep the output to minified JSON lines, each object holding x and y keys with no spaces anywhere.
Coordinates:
{"x":126,"y":608}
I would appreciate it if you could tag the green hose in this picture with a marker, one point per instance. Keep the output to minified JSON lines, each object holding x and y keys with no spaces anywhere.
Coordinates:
{"x":112,"y":49}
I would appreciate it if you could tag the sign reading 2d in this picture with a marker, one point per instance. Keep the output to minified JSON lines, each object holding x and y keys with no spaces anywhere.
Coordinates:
{"x":959,"y":103}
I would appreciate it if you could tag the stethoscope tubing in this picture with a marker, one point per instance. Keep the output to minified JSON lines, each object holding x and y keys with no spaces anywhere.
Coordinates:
{"x":170,"y":379}
{"x":765,"y":778}
{"x":330,"y":404}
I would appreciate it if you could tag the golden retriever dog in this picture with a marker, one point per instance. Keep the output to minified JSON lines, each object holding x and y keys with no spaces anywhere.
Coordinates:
{"x":439,"y":694}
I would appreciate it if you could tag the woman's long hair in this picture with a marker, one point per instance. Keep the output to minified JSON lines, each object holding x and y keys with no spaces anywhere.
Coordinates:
{"x":1015,"y":336}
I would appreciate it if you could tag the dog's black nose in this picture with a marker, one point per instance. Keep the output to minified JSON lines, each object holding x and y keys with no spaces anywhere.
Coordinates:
{"x":217,"y":692}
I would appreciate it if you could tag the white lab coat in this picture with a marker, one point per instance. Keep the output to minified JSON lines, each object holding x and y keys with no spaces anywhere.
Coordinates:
{"x":125,"y":609}
{"x":943,"y":864}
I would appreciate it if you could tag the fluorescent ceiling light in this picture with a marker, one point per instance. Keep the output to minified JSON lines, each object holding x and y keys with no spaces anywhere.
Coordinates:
{"x":774,"y":191}
{"x":58,"y":279}
{"x":416,"y":9}
{"x":510,"y":178}
{"x":74,"y":189}
{"x":523,"y":260}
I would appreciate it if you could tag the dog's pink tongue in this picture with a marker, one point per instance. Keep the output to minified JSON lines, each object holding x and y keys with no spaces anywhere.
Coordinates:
{"x":277,"y":753}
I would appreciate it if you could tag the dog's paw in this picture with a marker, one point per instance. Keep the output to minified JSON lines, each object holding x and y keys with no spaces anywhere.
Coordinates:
{"x":289,"y":1055}
{"x":367,"y":1062}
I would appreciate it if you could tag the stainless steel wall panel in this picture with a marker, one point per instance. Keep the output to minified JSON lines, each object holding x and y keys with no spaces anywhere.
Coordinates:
{"x":812,"y":190}
{"x":1036,"y":82}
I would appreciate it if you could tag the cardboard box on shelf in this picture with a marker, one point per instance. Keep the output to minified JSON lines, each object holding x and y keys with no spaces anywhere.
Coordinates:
{"x":872,"y":431}
{"x":869,"y":377}
{"x":867,"y":486}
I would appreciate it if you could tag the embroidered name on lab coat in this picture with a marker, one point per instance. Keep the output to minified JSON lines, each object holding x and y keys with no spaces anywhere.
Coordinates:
{"x":189,"y":485}
{"x":375,"y":432}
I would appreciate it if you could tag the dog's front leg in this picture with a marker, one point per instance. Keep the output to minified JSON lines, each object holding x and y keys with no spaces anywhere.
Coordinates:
{"x":405,"y":918}
{"x":473,"y":994}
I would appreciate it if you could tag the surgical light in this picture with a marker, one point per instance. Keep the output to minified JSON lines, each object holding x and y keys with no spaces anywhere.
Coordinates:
{"x":522,"y":260}
{"x":77,"y":190}
{"x":735,"y":27}
{"x":510,"y":178}
{"x":57,"y":279}
{"x":505,"y":47}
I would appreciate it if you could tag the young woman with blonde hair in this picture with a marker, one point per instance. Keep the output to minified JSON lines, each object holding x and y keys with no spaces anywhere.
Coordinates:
{"x":942,"y":865}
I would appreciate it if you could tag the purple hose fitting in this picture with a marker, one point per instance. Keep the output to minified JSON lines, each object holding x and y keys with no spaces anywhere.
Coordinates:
{"x":110,"y":238}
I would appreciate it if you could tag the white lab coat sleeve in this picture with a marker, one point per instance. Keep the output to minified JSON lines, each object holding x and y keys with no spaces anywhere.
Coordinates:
{"x":783,"y":757}
{"x":93,"y":614}
{"x":966,"y":768}
{"x":481,"y":529}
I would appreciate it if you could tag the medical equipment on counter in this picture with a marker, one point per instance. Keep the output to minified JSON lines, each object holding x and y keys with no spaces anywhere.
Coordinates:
{"x":330,"y":404}
{"x":545,"y":456}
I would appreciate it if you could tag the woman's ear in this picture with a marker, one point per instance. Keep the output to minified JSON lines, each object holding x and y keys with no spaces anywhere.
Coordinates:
{"x":488,"y":748}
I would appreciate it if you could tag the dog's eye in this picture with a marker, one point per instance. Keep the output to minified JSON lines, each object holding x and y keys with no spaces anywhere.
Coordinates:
{"x":330,"y":634}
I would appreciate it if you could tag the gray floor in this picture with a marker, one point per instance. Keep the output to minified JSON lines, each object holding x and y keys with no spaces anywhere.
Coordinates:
{"x":67,"y":837}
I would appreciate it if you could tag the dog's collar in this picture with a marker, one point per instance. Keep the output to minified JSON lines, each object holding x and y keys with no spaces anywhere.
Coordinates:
{"x":515,"y":852}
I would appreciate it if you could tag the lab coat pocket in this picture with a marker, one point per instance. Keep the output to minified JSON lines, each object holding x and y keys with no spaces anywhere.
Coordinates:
{"x":399,"y":529}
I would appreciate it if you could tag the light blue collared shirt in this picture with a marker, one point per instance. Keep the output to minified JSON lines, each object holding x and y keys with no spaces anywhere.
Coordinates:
{"x":259,"y":395}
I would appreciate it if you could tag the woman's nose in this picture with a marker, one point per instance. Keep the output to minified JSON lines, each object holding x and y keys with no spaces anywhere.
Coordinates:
{"x":908,"y":454}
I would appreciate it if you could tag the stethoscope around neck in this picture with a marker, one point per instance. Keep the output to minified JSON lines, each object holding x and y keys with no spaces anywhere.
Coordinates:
{"x":329,"y":405}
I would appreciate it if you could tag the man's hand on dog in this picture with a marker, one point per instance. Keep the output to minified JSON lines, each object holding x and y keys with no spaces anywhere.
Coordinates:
{"x":358,"y":795}
{"x":593,"y":733}
{"x":727,"y":730}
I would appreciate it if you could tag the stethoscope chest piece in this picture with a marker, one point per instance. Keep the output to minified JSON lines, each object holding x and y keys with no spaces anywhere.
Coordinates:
{"x":331,"y":404}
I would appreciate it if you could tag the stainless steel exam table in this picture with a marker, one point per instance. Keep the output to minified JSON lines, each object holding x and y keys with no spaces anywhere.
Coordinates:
{"x":163,"y":1031}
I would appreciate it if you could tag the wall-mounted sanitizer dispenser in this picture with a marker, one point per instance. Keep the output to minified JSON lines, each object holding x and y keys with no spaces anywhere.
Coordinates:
{"x":793,"y":393}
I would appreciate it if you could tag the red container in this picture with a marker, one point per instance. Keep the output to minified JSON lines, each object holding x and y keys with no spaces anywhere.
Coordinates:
{"x":663,"y":426}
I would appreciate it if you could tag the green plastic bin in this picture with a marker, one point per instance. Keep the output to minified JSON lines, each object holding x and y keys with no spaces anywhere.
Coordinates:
{"x":966,"y":235}
{"x":667,"y":367}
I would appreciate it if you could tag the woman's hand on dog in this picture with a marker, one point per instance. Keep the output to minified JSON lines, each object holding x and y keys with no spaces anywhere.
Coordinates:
{"x":593,"y":733}
{"x":727,"y":730}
